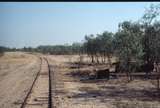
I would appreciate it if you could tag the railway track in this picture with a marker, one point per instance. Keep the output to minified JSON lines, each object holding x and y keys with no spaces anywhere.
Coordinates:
{"x":50,"y":86}
{"x":40,"y":93}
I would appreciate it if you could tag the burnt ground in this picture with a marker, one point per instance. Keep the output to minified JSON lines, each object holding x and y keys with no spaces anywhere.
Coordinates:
{"x":74,"y":88}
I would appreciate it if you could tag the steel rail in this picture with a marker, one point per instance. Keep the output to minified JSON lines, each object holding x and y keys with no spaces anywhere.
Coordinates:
{"x":30,"y":90}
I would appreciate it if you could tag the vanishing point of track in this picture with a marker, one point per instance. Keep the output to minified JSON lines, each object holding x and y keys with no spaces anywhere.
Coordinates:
{"x":47,"y":85}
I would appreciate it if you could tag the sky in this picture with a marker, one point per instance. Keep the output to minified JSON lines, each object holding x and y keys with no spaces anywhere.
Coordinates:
{"x":50,"y":23}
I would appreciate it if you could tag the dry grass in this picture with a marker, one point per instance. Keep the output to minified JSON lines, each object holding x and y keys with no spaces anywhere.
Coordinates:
{"x":17,"y":71}
{"x":72,"y":92}
{"x":136,"y":104}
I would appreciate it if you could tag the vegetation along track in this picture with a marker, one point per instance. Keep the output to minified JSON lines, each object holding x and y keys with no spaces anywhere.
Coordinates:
{"x":40,"y":93}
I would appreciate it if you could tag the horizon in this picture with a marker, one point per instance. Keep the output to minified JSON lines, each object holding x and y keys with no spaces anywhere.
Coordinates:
{"x":59,"y":23}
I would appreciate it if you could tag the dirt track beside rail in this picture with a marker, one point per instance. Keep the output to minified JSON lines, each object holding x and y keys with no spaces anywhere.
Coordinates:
{"x":70,"y":88}
{"x":17,"y":71}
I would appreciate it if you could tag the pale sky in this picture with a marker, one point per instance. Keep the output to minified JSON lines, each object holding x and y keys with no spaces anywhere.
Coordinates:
{"x":50,"y":23}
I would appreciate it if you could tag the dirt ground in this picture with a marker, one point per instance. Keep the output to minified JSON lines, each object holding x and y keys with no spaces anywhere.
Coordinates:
{"x":71,"y":87}
{"x":73,"y":90}
{"x":17,"y":71}
{"x":38,"y":97}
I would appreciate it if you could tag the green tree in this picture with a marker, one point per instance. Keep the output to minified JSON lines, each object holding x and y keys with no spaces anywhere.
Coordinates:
{"x":90,"y":46}
{"x":150,"y":38}
{"x":128,"y":45}
{"x":106,"y":45}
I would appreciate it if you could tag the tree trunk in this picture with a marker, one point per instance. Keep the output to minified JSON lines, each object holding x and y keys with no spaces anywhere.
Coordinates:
{"x":104,"y":57}
{"x":128,"y":71}
{"x":92,"y":58}
{"x":147,"y":54}
{"x":109,"y":60}
{"x":97,"y":59}
{"x":158,"y":84}
{"x":158,"y":73}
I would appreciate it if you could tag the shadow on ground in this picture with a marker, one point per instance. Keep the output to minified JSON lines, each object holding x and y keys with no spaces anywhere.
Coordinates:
{"x":105,"y":93}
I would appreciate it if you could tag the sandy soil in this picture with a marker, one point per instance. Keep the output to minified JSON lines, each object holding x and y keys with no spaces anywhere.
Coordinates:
{"x":70,"y":86}
{"x":17,"y":71}
{"x":73,"y":92}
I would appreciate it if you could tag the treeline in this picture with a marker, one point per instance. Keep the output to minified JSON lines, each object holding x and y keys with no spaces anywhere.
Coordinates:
{"x":135,"y":44}
{"x":134,"y":41}
{"x":75,"y":48}
{"x":4,"y":49}
{"x":60,"y":49}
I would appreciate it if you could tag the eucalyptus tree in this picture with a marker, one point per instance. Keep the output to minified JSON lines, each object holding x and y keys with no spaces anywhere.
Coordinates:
{"x":150,"y":36}
{"x":105,"y":45}
{"x":90,"y":45}
{"x":148,"y":20}
{"x":76,"y":48}
{"x":156,"y":42}
{"x":128,"y":44}
{"x":2,"y":50}
{"x":155,"y":48}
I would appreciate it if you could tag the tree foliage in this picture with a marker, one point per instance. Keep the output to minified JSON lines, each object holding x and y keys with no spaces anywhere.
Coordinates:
{"x":134,"y":41}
